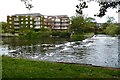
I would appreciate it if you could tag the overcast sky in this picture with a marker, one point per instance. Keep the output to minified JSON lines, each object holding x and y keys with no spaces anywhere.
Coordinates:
{"x":51,"y":7}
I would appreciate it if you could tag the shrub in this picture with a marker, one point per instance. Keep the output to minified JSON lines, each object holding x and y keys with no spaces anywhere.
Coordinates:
{"x":61,"y":34}
{"x":43,"y":34}
{"x":55,"y":33}
{"x":112,"y":30}
{"x":77,"y":37}
{"x":64,"y":34}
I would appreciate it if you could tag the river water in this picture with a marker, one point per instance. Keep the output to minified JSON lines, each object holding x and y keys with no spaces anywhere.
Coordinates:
{"x":99,"y":50}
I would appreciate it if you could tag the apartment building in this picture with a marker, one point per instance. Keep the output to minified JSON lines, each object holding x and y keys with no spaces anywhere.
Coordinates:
{"x":58,"y":22}
{"x":37,"y":20}
{"x":25,"y":21}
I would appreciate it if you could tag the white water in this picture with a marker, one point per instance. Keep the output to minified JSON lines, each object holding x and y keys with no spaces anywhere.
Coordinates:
{"x":100,"y":50}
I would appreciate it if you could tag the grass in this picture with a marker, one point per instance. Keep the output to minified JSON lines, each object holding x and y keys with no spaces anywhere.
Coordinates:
{"x":88,"y":35}
{"x":23,"y":68}
{"x":79,"y":37}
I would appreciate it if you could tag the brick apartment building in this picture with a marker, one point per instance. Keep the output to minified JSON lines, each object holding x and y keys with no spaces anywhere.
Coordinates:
{"x":37,"y":20}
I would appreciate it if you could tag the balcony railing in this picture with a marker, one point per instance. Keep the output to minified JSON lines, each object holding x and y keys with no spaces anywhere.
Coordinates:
{"x":16,"y":23}
{"x":37,"y":27}
{"x":65,"y":24}
{"x":16,"y":27}
{"x":57,"y":24}
{"x":55,"y":27}
{"x":65,"y":20}
{"x":64,"y":27}
{"x":16,"y":19}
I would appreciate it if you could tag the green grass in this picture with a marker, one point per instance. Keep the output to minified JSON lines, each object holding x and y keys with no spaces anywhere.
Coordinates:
{"x":23,"y":68}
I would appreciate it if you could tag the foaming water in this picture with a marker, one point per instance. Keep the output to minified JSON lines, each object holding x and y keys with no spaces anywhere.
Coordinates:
{"x":100,"y":50}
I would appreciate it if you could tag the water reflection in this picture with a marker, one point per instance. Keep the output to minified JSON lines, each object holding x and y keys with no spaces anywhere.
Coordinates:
{"x":100,"y":50}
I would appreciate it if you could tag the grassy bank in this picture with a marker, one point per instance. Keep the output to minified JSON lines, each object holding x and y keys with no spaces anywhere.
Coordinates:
{"x":22,"y":68}
{"x":79,"y":37}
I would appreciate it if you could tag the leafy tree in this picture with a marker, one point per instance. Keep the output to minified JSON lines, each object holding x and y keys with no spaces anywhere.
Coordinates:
{"x":44,"y":29}
{"x":3,"y":26}
{"x":77,"y":24}
{"x":104,"y":5}
{"x":89,"y":24}
{"x":110,"y":19}
{"x":104,"y":25}
{"x":112,"y":29}
{"x":118,"y":29}
{"x":27,"y":4}
{"x":109,"y":22}
{"x":81,"y":24}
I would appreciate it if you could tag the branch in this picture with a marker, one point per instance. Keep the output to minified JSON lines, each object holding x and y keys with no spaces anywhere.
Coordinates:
{"x":104,"y":5}
{"x":27,"y":4}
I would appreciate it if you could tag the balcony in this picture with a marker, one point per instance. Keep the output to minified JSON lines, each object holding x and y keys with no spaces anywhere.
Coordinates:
{"x":16,"y":19}
{"x":65,"y":24}
{"x":58,"y":27}
{"x":16,"y":23}
{"x":65,"y":20}
{"x":37,"y":27}
{"x":16,"y":27}
{"x":64,"y":27}
{"x":57,"y":24}
{"x":37,"y":23}
{"x":37,"y":19}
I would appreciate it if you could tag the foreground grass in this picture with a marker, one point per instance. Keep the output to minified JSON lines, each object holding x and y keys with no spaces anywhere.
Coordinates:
{"x":22,"y":68}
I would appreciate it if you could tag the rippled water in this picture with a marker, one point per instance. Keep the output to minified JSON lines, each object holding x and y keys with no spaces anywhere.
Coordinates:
{"x":100,"y":50}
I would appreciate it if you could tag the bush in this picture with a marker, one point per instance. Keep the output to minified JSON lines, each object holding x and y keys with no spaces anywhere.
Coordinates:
{"x":43,"y":34}
{"x":64,"y":34}
{"x":112,"y":30}
{"x":55,"y":33}
{"x":77,"y":37}
{"x":61,"y":34}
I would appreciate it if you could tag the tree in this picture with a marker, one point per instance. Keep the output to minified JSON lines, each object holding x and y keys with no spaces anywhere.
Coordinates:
{"x":104,"y":5}
{"x":81,"y":24}
{"x":110,"y":19}
{"x":112,"y":29}
{"x":3,"y":25}
{"x":77,"y":24}
{"x":27,"y":4}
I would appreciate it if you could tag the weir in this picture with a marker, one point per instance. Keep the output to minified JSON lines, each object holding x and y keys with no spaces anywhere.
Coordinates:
{"x":99,"y":50}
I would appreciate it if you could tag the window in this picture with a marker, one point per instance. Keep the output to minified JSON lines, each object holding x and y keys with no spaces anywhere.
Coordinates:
{"x":26,"y":22}
{"x":37,"y":22}
{"x":21,"y":18}
{"x":10,"y":22}
{"x":31,"y":26}
{"x":37,"y":18}
{"x":10,"y":18}
{"x":57,"y":20}
{"x":53,"y":19}
{"x":16,"y":27}
{"x":37,"y":27}
{"x":31,"y":18}
{"x":26,"y":19}
{"x":16,"y":19}
{"x":16,"y":23}
{"x":31,"y":22}
{"x":21,"y":22}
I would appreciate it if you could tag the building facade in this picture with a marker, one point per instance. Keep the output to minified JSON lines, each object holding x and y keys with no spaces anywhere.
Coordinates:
{"x":58,"y":22}
{"x":37,"y":20}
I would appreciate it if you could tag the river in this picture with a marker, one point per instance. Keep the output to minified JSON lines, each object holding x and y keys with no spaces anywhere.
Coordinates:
{"x":99,"y":50}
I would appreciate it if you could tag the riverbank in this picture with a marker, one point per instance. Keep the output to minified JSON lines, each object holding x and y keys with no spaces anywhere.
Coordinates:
{"x":23,"y":68}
